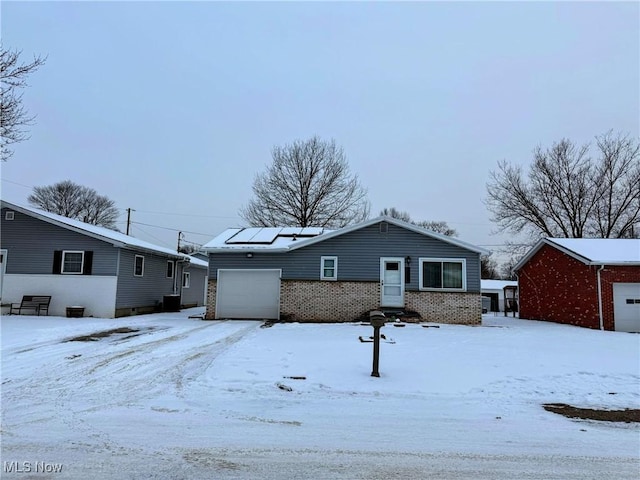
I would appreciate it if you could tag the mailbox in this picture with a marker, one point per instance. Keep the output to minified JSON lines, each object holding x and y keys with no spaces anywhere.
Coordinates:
{"x":377,"y":319}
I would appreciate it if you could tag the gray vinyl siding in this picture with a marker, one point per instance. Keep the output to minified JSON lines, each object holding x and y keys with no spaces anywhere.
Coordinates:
{"x":195,"y":293}
{"x":145,"y":291}
{"x":30,"y":244}
{"x":358,"y":253}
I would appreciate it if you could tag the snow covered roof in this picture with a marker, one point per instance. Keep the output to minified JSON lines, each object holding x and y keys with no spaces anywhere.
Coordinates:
{"x":262,"y":238}
{"x":101,"y":233}
{"x":497,"y":284}
{"x":592,"y":251}
{"x":282,"y":238}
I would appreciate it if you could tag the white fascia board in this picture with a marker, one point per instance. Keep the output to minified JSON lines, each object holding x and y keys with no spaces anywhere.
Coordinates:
{"x":568,"y":252}
{"x":59,"y":223}
{"x":143,"y":247}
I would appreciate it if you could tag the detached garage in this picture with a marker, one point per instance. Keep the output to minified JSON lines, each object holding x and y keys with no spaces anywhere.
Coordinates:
{"x":248,"y":294}
{"x":593,"y":283}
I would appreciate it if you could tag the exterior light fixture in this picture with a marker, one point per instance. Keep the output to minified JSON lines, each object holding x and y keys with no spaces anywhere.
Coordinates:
{"x":249,"y":255}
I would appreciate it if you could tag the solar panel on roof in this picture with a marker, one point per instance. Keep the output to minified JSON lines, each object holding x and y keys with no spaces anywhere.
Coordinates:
{"x":265,"y":235}
{"x":255,"y":235}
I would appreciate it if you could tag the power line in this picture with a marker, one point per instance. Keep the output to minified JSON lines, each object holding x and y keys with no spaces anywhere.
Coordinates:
{"x":16,"y":183}
{"x":161,"y":242}
{"x":174,"y":229}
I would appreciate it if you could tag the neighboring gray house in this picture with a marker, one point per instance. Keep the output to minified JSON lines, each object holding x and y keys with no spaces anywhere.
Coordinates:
{"x":78,"y":264}
{"x":311,"y":274}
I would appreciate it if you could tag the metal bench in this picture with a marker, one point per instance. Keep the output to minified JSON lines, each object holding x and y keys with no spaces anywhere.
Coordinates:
{"x":32,"y":303}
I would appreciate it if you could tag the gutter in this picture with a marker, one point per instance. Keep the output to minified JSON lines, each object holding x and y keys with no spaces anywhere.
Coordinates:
{"x":600,"y":297}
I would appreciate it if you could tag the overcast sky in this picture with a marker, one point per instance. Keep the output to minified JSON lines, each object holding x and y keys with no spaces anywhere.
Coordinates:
{"x":171,"y":108}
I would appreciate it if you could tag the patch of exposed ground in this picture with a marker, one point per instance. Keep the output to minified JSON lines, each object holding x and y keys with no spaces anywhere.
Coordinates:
{"x":628,"y":415}
{"x":94,"y":337}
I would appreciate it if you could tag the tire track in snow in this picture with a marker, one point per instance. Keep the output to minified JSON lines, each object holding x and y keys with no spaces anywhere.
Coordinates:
{"x":60,"y":396}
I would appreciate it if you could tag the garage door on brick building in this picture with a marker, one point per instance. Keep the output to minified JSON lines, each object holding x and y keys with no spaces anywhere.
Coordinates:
{"x":248,"y":294}
{"x":626,"y":307}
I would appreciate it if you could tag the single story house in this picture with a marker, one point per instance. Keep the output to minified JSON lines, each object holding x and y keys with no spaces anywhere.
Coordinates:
{"x":318,"y":275}
{"x":588,"y":282}
{"x":108,"y":273}
{"x":494,"y":290}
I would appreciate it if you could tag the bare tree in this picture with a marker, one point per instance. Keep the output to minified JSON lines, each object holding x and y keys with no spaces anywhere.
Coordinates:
{"x":13,"y":117}
{"x":308,"y":184}
{"x":393,"y":212}
{"x":435,"y":226}
{"x":618,"y":207}
{"x":76,"y":201}
{"x":568,"y":194}
{"x":488,"y":268}
{"x":438,"y":227}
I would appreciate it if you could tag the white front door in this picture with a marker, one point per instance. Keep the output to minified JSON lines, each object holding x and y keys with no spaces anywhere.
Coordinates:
{"x":392,"y":282}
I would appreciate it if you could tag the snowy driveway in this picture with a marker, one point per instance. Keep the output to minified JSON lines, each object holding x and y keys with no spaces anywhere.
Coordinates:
{"x":182,"y":398}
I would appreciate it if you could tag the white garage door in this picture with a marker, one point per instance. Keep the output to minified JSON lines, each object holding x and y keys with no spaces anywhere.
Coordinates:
{"x":248,"y":294}
{"x":626,"y":307}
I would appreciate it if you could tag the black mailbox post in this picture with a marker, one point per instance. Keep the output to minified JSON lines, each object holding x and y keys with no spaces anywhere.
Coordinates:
{"x":377,"y":320}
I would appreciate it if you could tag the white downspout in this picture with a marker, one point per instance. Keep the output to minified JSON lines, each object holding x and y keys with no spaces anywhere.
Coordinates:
{"x":600,"y":297}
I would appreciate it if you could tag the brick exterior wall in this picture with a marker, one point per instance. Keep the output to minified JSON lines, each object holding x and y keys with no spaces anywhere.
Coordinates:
{"x":556,"y":287}
{"x":315,"y":301}
{"x":211,"y":300}
{"x":446,"y":307}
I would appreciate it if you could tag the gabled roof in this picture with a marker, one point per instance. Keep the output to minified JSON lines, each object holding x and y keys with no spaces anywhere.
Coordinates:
{"x":101,"y":233}
{"x":591,"y":251}
{"x":283,"y":243}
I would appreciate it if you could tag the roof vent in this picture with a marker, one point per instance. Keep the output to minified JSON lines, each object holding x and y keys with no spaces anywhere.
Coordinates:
{"x":294,"y":238}
{"x":384,"y":227}
{"x":9,"y":215}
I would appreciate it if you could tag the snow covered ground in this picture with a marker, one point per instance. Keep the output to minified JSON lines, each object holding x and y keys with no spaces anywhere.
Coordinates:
{"x":186,"y":398}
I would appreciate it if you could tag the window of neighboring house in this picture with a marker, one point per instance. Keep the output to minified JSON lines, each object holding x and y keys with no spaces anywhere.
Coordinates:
{"x":328,"y":268}
{"x":72,"y":262}
{"x":9,"y":215}
{"x":138,"y":268}
{"x":186,"y":280}
{"x":170,"y":266}
{"x":443,"y":274}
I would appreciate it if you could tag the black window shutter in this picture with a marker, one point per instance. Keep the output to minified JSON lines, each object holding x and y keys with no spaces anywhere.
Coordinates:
{"x":88,"y":263}
{"x":57,"y":262}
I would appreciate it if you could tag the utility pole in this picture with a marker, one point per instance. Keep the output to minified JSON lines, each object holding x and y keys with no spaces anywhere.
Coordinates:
{"x":129,"y":218}
{"x":179,"y":238}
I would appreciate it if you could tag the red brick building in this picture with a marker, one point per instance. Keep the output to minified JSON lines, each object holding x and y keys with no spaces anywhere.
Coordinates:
{"x":593,"y":283}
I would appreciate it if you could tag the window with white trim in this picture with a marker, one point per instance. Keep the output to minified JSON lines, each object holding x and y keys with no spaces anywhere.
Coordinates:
{"x":328,"y":268}
{"x":138,"y":266}
{"x":443,"y":274}
{"x":170,"y":267}
{"x":186,"y":280}
{"x":72,"y":262}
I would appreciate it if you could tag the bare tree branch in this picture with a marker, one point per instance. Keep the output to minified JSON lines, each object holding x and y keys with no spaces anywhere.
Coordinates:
{"x":434,"y":226}
{"x":308,"y":184}
{"x":569,"y":194}
{"x":13,"y":116}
